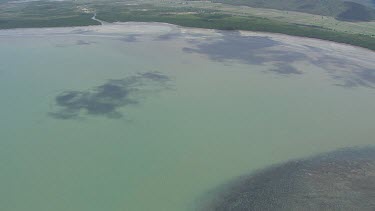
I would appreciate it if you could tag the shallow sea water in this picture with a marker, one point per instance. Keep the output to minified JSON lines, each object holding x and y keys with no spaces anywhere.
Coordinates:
{"x":152,"y":116}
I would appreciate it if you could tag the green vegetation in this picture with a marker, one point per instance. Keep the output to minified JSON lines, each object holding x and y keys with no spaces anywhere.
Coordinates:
{"x":319,"y":7}
{"x":348,"y":11}
{"x":43,"y":14}
{"x":79,"y":20}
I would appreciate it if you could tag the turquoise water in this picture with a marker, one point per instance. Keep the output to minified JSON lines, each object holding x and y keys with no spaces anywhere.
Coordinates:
{"x":191,"y":109}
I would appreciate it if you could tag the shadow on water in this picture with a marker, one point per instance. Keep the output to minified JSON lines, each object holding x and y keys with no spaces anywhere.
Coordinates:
{"x":130,"y":38}
{"x":168,"y":36}
{"x":106,"y":99}
{"x":285,"y":69}
{"x":348,"y":73}
{"x":251,"y":50}
{"x":340,"y":180}
{"x":83,"y":42}
{"x":260,"y":50}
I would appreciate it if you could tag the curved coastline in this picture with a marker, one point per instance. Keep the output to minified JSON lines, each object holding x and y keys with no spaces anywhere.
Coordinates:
{"x":293,"y":30}
{"x":233,"y":24}
{"x":103,"y":25}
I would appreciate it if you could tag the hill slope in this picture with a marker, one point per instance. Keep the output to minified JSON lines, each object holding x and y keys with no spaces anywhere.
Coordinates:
{"x":356,"y":12}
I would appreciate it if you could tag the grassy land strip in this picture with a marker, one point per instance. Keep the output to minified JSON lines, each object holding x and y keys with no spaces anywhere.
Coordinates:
{"x":79,"y":20}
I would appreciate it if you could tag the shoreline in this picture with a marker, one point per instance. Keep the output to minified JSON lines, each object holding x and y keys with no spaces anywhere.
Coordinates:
{"x":120,"y":23}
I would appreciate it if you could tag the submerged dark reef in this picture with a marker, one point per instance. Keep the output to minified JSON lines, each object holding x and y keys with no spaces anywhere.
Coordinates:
{"x":106,"y":99}
{"x":340,"y":180}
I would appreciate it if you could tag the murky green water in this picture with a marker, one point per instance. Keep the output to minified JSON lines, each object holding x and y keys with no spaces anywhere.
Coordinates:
{"x":151,"y":117}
